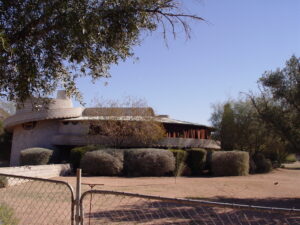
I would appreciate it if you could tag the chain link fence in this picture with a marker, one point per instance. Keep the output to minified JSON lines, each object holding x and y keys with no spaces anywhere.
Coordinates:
{"x":108,"y":207}
{"x":35,"y":201}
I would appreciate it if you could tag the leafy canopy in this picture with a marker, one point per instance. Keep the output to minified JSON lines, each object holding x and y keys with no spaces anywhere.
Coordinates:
{"x":127,"y":123}
{"x":46,"y":43}
{"x":268,"y":122}
{"x":279,"y":103}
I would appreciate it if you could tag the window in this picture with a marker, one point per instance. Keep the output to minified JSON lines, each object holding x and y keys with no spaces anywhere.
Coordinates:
{"x":29,"y":125}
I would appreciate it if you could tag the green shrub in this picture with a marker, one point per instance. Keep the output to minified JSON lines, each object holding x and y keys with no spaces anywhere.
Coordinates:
{"x":290,"y":158}
{"x":3,"y":182}
{"x":262,"y":164}
{"x":277,"y":156}
{"x":78,"y":152}
{"x":107,"y":162}
{"x":196,"y":160}
{"x":208,"y":160}
{"x":252,"y":166}
{"x":180,"y":159}
{"x":230,"y":163}
{"x":148,"y":162}
{"x":7,"y":216}
{"x":35,"y":156}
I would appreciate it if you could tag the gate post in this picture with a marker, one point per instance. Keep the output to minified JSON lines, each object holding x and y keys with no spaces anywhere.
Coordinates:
{"x":78,"y":196}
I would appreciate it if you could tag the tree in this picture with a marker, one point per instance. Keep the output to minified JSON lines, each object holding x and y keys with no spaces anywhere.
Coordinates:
{"x":127,"y":124}
{"x":243,"y":129}
{"x":279,"y":102}
{"x":7,"y":108}
{"x":268,"y":122}
{"x":44,"y":43}
{"x":227,"y":128}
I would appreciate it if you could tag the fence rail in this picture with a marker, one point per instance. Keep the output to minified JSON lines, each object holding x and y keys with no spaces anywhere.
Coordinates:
{"x":35,"y":201}
{"x":110,"y":207}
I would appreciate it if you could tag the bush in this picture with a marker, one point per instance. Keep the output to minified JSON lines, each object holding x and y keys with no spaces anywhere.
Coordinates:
{"x":7,"y":216}
{"x":252,"y":166}
{"x":77,"y":154}
{"x":35,"y":156}
{"x":208,"y":160}
{"x":230,"y":163}
{"x":262,"y":164}
{"x":148,"y":162}
{"x":277,"y":156}
{"x":3,"y":182}
{"x":290,"y":158}
{"x":107,"y":162}
{"x":180,"y":159}
{"x":196,"y":161}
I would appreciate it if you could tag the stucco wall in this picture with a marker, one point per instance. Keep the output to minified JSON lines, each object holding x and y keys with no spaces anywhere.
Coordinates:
{"x":40,"y":136}
{"x":73,"y":127}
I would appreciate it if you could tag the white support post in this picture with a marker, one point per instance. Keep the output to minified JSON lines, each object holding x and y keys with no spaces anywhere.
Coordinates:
{"x":78,"y":196}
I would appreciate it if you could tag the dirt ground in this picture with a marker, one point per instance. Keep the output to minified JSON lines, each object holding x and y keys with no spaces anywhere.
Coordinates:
{"x":280,"y":188}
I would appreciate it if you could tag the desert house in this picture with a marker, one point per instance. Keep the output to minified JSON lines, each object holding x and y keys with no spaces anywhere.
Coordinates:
{"x":58,"y":123}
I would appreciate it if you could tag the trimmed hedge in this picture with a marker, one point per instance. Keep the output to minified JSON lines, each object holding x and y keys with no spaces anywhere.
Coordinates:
{"x":208,"y":161}
{"x":3,"y":182}
{"x":107,"y":162}
{"x":148,"y":162}
{"x":196,"y":160}
{"x":78,"y":152}
{"x":262,"y":165}
{"x":290,"y":158}
{"x":230,"y":163}
{"x":180,"y":161}
{"x":35,"y":156}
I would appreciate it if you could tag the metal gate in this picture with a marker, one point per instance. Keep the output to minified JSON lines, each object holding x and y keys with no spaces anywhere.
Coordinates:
{"x":37,"y":201}
{"x":110,"y":207}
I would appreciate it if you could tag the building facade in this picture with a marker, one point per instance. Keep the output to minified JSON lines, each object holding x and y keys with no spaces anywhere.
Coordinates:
{"x":58,"y":123}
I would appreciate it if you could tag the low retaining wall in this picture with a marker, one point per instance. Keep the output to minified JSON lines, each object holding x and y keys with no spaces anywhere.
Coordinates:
{"x":42,"y":171}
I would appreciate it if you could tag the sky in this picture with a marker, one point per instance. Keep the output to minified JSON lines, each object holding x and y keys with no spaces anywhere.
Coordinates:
{"x":226,"y":55}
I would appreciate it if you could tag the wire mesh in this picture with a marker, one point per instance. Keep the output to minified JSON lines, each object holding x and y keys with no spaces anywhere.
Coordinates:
{"x":108,"y":207}
{"x":34,"y":201}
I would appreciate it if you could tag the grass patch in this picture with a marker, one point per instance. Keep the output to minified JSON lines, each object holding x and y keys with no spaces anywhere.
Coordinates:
{"x":7,"y":216}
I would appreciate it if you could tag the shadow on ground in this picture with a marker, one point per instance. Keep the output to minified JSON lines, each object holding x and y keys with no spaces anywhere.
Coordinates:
{"x":133,"y":210}
{"x":268,"y":202}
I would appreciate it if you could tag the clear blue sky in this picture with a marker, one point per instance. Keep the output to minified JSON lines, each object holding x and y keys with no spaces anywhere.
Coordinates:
{"x":225,"y":56}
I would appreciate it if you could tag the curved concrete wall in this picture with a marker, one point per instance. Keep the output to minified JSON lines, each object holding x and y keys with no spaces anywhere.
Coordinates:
{"x":17,"y":119}
{"x":53,"y":104}
{"x":40,"y":136}
{"x":73,"y":128}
